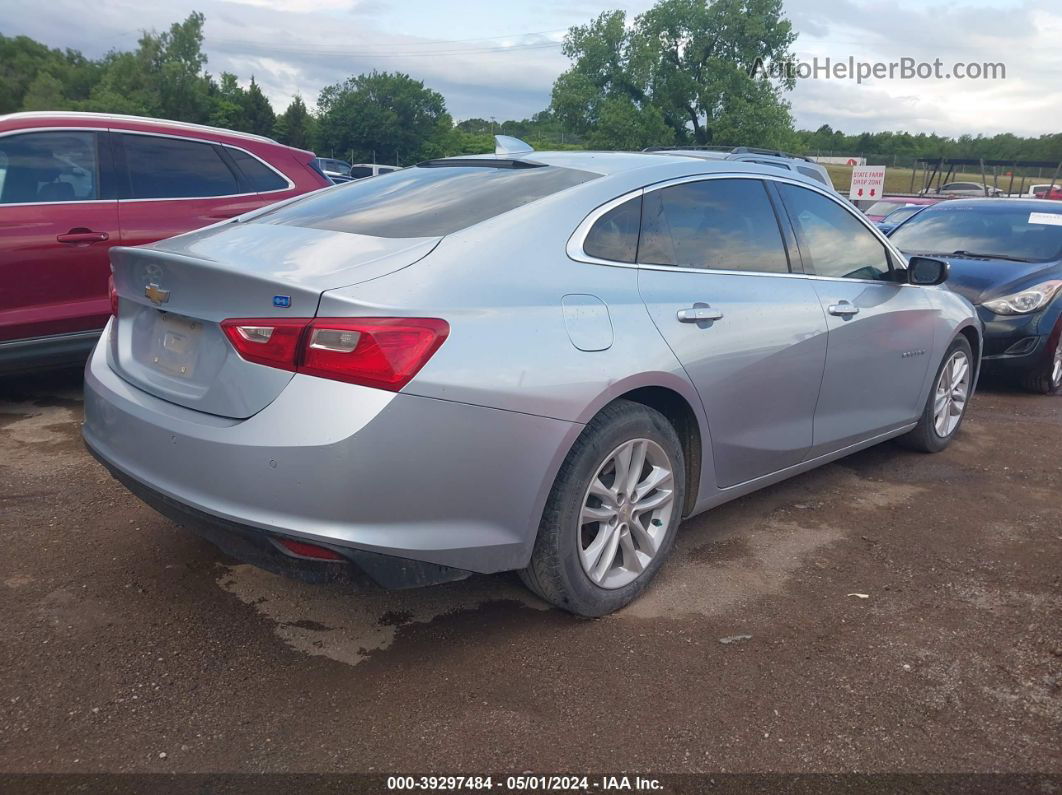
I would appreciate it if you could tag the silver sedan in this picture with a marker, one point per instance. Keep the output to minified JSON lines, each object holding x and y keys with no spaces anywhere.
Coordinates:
{"x":529,"y":361}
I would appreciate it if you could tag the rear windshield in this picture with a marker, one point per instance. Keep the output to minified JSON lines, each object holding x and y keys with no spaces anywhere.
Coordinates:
{"x":903,"y":213}
{"x":882,"y":208}
{"x":425,"y":201}
{"x":1034,"y":235}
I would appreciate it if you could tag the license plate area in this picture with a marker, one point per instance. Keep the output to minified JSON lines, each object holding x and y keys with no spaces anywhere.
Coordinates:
{"x":175,"y":345}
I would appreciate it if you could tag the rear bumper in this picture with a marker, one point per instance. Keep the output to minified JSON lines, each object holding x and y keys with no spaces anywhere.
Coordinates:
{"x":349,"y":467}
{"x":255,"y":546}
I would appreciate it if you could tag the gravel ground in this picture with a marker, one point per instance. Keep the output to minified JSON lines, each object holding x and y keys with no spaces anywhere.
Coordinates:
{"x":131,"y":646}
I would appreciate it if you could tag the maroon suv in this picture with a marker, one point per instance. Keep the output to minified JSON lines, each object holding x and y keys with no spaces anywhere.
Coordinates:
{"x":74,"y":184}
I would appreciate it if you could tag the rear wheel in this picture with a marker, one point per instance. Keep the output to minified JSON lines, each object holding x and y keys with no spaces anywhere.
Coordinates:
{"x":946,"y":406}
{"x":1047,"y":378}
{"x":611,"y":517}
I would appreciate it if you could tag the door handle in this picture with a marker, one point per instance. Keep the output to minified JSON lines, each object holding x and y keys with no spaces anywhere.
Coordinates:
{"x":82,"y":237}
{"x":843,"y":309}
{"x":698,"y":313}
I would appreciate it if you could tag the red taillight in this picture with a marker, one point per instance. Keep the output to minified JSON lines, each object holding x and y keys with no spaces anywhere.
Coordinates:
{"x":381,"y":352}
{"x":267,"y":341}
{"x":112,"y":294}
{"x":305,"y":550}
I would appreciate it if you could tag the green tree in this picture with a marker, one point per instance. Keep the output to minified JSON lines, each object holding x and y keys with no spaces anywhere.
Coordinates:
{"x":44,"y":93}
{"x":259,"y":117}
{"x":703,"y":67}
{"x":228,"y":103}
{"x":295,"y":126}
{"x":23,"y":61}
{"x":387,"y":116}
{"x":163,"y":77}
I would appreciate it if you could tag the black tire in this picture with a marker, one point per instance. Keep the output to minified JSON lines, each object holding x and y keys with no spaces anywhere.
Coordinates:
{"x":1044,"y":380}
{"x":555,"y":572}
{"x":924,"y":437}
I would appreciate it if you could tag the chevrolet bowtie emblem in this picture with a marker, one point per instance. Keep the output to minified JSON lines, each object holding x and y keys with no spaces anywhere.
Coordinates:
{"x":156,"y":294}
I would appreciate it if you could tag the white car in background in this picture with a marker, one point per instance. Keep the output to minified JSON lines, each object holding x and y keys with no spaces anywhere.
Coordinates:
{"x":964,"y":189}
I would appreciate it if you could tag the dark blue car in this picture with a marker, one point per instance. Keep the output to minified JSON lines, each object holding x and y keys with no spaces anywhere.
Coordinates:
{"x":1006,"y":258}
{"x":898,"y":216}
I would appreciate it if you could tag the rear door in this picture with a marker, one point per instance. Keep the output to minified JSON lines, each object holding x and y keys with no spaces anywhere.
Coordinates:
{"x":714,"y":274}
{"x":57,"y":224}
{"x":173,"y":185}
{"x":880,"y":330}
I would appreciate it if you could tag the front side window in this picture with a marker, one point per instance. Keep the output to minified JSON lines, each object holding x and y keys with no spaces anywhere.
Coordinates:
{"x":614,"y":236}
{"x":832,"y":241}
{"x":175,"y":168}
{"x":717,"y":224}
{"x":48,"y":167}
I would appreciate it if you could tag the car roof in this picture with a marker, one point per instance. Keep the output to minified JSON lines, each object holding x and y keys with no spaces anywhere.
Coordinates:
{"x":613,"y":163}
{"x":1032,"y":205}
{"x":101,"y":119}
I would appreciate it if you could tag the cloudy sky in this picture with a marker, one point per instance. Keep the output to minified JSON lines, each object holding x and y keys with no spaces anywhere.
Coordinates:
{"x":499,"y":57}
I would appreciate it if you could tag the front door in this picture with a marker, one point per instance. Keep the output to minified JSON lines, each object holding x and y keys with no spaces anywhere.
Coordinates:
{"x":715,"y":277}
{"x":55,"y":234}
{"x":880,"y":330}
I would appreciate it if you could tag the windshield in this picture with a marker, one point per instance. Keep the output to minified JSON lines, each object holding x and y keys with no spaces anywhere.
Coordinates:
{"x":428,"y":200}
{"x":1010,"y":232}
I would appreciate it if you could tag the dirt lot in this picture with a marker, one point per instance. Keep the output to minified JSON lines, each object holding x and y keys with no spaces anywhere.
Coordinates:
{"x":129,"y":645}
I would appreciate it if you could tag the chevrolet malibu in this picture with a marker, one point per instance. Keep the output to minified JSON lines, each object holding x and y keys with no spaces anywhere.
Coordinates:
{"x":538,"y":362}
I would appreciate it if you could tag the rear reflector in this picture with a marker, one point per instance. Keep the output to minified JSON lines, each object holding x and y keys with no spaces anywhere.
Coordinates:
{"x":305,"y":550}
{"x":381,"y":352}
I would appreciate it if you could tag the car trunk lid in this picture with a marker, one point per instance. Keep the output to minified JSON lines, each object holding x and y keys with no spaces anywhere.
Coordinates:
{"x":174,"y":294}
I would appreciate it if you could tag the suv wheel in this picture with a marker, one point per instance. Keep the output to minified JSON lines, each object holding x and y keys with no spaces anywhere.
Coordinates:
{"x":612,"y":514}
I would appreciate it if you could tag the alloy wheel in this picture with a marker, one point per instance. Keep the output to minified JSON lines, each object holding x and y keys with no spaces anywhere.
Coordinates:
{"x":953,"y":388}
{"x":626,"y":513}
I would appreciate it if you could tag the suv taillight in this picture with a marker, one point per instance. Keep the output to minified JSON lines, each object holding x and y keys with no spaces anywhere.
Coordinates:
{"x":112,"y":294}
{"x":381,"y":352}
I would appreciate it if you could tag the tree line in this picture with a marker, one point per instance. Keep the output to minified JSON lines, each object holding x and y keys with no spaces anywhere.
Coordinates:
{"x":680,"y":74}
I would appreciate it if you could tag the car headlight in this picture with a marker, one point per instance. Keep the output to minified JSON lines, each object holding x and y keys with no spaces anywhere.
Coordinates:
{"x":1026,"y":301}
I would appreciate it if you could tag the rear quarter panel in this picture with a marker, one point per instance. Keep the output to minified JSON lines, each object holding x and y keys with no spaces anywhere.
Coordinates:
{"x":500,"y":285}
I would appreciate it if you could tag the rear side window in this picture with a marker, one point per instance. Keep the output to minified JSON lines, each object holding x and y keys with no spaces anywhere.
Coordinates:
{"x":832,"y":241}
{"x":718,"y":224}
{"x":175,"y":168}
{"x":48,"y":167}
{"x":428,"y":200}
{"x":360,"y":171}
{"x":259,"y":176}
{"x":615,"y":234}
{"x":810,"y":172}
{"x":770,"y":163}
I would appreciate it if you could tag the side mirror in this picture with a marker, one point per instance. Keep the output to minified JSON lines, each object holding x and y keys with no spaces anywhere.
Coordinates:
{"x":926,"y":271}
